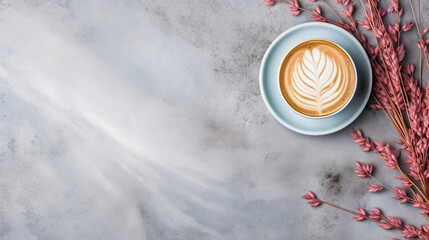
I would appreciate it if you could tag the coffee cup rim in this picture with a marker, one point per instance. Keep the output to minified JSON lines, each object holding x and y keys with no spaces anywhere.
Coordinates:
{"x":351,"y":96}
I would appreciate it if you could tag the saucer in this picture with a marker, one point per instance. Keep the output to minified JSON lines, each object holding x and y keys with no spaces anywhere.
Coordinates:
{"x":269,"y":80}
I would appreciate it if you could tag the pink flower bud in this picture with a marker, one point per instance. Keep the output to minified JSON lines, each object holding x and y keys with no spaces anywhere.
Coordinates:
{"x":270,"y":2}
{"x":374,"y":188}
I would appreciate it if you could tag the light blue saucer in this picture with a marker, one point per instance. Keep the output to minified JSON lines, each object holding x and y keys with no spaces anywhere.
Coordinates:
{"x":269,"y":81}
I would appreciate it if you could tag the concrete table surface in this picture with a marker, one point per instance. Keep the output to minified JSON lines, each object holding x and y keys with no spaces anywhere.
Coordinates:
{"x":144,"y":120}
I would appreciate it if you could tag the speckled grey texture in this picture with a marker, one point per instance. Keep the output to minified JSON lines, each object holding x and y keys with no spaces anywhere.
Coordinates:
{"x":144,"y":120}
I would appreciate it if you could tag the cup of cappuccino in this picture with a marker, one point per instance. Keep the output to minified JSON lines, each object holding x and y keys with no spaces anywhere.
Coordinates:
{"x":317,"y":78}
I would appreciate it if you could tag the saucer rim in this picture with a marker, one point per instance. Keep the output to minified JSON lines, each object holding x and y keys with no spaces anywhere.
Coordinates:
{"x":342,"y":124}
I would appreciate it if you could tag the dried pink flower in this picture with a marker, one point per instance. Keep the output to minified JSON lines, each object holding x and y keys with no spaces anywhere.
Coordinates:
{"x":360,"y":217}
{"x":410,"y":231}
{"x":418,"y":202}
{"x":420,"y":45}
{"x":382,"y":11}
{"x":348,"y":12}
{"x":407,"y":26}
{"x":294,"y":7}
{"x":386,"y":225}
{"x":402,"y":98}
{"x":317,"y":14}
{"x":387,"y":153}
{"x":362,"y":141}
{"x":394,"y":6}
{"x":346,"y":2}
{"x":404,"y":182}
{"x":400,"y":194}
{"x":375,"y":188}
{"x":363,"y":170}
{"x":270,"y":2}
{"x":395,"y":222}
{"x":375,"y":214}
{"x":400,"y":51}
{"x":312,"y":199}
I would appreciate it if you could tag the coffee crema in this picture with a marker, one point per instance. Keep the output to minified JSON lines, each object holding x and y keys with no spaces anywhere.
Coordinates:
{"x":317,"y":78}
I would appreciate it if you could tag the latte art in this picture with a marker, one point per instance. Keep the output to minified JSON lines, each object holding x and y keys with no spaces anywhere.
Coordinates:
{"x":317,"y":78}
{"x":317,"y":81}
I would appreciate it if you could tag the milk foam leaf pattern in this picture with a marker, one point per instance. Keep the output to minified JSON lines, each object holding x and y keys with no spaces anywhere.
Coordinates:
{"x":317,"y":81}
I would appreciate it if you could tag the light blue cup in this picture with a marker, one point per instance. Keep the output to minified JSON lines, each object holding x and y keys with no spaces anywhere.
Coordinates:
{"x":269,"y":80}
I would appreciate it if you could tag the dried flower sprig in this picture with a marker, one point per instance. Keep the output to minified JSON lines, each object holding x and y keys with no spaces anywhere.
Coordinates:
{"x":386,"y":222}
{"x":399,"y":95}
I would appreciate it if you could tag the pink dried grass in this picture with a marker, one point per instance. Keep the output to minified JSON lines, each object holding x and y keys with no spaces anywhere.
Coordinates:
{"x":399,"y":95}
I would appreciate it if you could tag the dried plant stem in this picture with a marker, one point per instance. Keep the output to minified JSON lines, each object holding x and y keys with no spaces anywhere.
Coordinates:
{"x":407,"y":103}
{"x":398,"y":115}
{"x":355,"y":213}
{"x":409,"y":180}
{"x":309,"y":11}
{"x":420,"y":51}
{"x":409,"y":199}
{"x":375,"y":179}
{"x":387,"y":220}
{"x":423,"y":184}
{"x":392,"y":116}
{"x":385,"y":111}
{"x":379,"y":182}
{"x":419,"y":32}
{"x":420,"y":68}
{"x":402,"y":173}
{"x":306,"y":10}
{"x":332,"y":10}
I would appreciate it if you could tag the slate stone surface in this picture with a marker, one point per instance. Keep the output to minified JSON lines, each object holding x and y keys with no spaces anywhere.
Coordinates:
{"x":144,"y":120}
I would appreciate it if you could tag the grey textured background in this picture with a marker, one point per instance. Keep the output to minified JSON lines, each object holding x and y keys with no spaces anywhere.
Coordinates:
{"x":144,"y":120}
